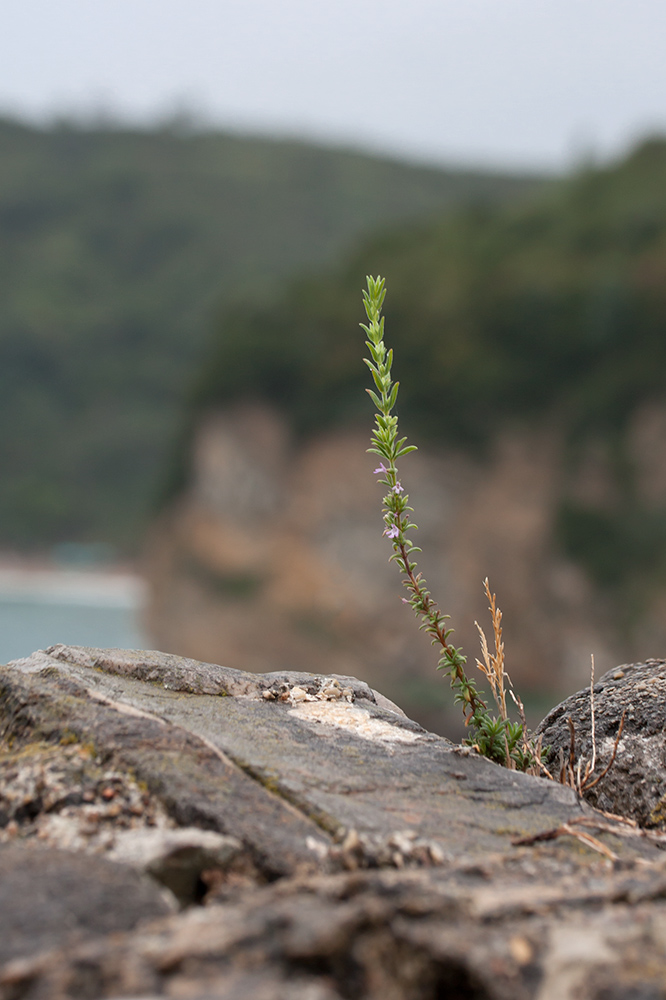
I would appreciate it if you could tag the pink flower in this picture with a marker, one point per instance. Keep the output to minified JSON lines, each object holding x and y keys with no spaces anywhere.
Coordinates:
{"x":398,"y":488}
{"x":382,"y":468}
{"x":392,"y":532}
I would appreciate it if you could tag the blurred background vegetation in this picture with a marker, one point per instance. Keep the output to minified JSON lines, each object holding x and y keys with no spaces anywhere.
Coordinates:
{"x":547,"y":307}
{"x":497,"y":312}
{"x":117,"y":249}
{"x":148,"y":275}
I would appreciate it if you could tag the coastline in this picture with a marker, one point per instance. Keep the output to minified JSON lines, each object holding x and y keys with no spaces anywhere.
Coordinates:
{"x":41,"y":582}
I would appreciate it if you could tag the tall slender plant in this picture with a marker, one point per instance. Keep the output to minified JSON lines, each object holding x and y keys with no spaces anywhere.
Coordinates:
{"x":495,"y":737}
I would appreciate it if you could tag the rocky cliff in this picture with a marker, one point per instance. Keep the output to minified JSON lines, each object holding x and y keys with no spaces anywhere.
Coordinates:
{"x":273,"y":556}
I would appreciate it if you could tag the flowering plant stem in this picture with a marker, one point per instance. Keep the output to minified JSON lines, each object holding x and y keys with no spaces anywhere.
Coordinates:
{"x":498,"y":738}
{"x":396,"y":509}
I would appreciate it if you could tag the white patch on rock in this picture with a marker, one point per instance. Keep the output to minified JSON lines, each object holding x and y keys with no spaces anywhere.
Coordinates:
{"x":146,"y":848}
{"x":176,"y":858}
{"x":356,"y":720}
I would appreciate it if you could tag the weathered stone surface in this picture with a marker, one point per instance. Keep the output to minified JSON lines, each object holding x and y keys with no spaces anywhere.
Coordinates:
{"x":50,"y":897}
{"x":358,"y":856}
{"x":195,"y":782}
{"x":176,"y":858}
{"x":635,"y":786}
{"x":178,"y":673}
{"x":490,"y":931}
{"x":283,"y":771}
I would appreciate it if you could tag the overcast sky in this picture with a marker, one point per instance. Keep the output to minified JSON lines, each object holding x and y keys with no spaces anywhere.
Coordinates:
{"x":535,"y":83}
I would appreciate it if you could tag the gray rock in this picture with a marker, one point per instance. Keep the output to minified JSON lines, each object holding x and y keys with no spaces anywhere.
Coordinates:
{"x":278,"y":774}
{"x":194,"y":780}
{"x":635,"y":786}
{"x":50,"y":898}
{"x":176,"y":858}
{"x":178,"y":673}
{"x":490,"y":931}
{"x":351,"y":853}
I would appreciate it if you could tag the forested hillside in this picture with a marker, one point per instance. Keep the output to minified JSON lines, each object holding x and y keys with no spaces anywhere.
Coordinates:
{"x":116,"y":249}
{"x":552,"y":310}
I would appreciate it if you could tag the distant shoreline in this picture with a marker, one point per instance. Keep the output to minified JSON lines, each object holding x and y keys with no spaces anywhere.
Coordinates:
{"x":41,"y":582}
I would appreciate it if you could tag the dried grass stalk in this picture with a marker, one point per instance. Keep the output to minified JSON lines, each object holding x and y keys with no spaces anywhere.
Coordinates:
{"x":569,"y":830}
{"x":594,"y":738}
{"x":493,"y":663}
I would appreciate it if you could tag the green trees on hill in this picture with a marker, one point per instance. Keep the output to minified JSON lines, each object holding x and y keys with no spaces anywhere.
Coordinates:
{"x":559,"y":301}
{"x":116,"y":248}
{"x":552,"y":308}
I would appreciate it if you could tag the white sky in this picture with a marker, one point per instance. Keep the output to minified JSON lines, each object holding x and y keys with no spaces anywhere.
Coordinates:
{"x":505,"y":82}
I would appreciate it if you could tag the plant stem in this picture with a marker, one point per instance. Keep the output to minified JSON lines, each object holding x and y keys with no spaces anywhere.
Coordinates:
{"x":385,"y":443}
{"x":476,"y":703}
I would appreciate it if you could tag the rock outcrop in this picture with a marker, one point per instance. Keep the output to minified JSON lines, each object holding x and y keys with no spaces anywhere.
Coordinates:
{"x":179,"y":829}
{"x":629,"y":704}
{"x":272,"y":556}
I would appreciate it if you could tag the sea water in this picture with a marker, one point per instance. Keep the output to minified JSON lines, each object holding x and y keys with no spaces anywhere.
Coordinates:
{"x":41,"y":608}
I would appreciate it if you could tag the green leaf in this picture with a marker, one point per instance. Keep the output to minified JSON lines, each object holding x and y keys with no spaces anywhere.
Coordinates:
{"x":375,"y":398}
{"x":379,"y":382}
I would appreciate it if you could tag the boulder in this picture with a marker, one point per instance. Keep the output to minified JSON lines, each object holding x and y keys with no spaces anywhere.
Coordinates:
{"x":304,"y":838}
{"x":632,"y":696}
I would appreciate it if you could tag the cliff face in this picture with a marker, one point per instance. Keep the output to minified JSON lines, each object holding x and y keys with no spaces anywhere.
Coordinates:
{"x":274,"y":558}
